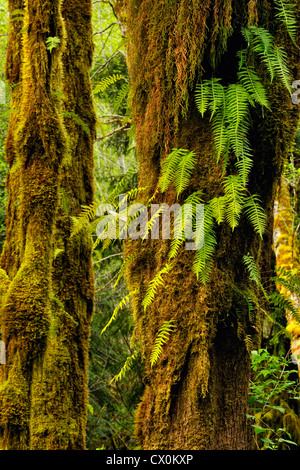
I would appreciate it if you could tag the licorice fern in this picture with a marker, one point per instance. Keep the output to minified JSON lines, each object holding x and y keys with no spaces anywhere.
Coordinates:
{"x":154,"y":284}
{"x":123,"y":303}
{"x":162,"y":337}
{"x":126,"y":367}
{"x":286,"y":14}
{"x":107,"y":82}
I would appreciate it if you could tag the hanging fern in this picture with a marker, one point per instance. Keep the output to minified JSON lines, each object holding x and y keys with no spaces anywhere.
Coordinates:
{"x":154,"y":284}
{"x":123,"y":303}
{"x":202,"y":263}
{"x":162,"y":337}
{"x":255,"y":214}
{"x":254,"y":274}
{"x":252,"y":83}
{"x":126,"y":367}
{"x":286,"y":14}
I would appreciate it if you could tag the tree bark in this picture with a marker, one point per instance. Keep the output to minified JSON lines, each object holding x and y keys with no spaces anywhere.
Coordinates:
{"x":196,"y":396}
{"x":46,"y":311}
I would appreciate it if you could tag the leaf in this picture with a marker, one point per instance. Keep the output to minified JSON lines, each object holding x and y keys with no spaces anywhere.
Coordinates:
{"x":202,"y":97}
{"x":183,"y":172}
{"x":52,"y":42}
{"x":162,"y":337}
{"x":255,"y":214}
{"x":107,"y":82}
{"x":253,"y":85}
{"x":154,"y":284}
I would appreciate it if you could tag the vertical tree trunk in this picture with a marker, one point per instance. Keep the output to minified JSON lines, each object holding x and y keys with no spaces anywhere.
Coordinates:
{"x":196,"y":396}
{"x":47,"y":308}
{"x":287,"y":258}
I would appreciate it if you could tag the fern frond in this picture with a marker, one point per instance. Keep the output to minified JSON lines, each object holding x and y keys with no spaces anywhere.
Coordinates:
{"x":202,"y":97}
{"x":237,"y":99}
{"x":254,"y":274}
{"x":169,"y":167}
{"x":87,"y":214}
{"x":52,"y":43}
{"x":235,"y":193}
{"x":255,"y":214}
{"x":122,"y":94}
{"x":202,"y":262}
{"x":124,"y":302}
{"x":219,"y":132}
{"x":183,"y":172}
{"x":154,"y":284}
{"x":281,"y":67}
{"x":107,"y":82}
{"x":263,"y":44}
{"x":244,"y":166}
{"x":162,"y":337}
{"x":175,"y":246}
{"x":287,"y":15}
{"x":126,"y":367}
{"x":216,"y":94}
{"x":218,"y":205}
{"x":253,"y":85}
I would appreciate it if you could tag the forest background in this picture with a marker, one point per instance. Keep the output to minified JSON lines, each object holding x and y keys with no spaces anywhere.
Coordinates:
{"x":116,"y":381}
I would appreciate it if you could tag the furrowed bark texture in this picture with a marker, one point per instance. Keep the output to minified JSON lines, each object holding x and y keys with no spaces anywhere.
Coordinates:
{"x":47,"y":307}
{"x":196,"y":396}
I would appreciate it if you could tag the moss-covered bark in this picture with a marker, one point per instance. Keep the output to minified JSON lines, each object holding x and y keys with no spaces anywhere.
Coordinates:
{"x":196,"y":396}
{"x":47,"y":308}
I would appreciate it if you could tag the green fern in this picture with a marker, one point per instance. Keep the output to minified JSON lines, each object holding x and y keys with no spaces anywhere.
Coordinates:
{"x":254,"y":274}
{"x":123,"y":303}
{"x":183,"y":171}
{"x":202,"y":263}
{"x":126,"y":367}
{"x":87,"y":214}
{"x":255,"y":214}
{"x":169,"y":168}
{"x":235,"y":195}
{"x":251,"y":81}
{"x":281,"y":67}
{"x":107,"y":82}
{"x":154,"y":284}
{"x":218,"y":207}
{"x":202,"y":97}
{"x":162,"y":337}
{"x":122,"y":94}
{"x":52,"y":43}
{"x":286,"y":14}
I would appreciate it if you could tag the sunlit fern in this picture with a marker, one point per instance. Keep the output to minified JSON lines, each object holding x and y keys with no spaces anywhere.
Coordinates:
{"x":161,"y":338}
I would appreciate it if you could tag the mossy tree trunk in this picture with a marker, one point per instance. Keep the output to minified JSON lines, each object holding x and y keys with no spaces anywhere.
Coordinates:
{"x":196,"y":395}
{"x":47,"y":308}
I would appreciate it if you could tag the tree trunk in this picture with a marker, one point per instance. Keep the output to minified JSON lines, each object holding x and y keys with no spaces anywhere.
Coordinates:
{"x":47,"y":309}
{"x":196,"y":395}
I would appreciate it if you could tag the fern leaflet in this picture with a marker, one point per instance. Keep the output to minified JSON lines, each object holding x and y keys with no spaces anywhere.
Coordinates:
{"x":162,"y":337}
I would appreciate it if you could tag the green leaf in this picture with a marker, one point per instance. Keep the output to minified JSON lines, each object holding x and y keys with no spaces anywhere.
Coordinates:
{"x":52,"y":42}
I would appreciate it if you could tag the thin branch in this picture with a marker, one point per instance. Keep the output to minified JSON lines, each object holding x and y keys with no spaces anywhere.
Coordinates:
{"x":108,"y":257}
{"x":105,"y":29}
{"x":120,"y":129}
{"x":105,"y":64}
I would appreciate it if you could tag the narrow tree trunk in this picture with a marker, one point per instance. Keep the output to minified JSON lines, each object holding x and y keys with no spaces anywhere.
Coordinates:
{"x":196,"y":396}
